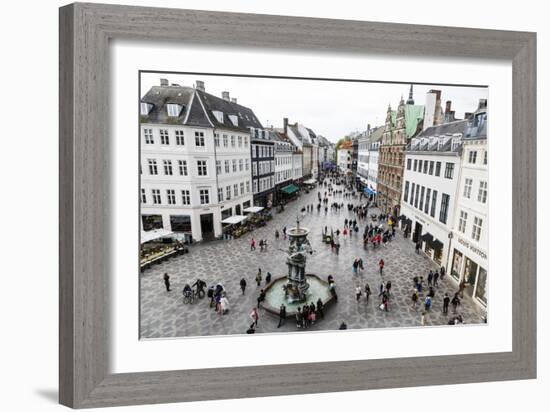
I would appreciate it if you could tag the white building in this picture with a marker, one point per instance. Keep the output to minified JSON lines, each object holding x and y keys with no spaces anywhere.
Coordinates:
{"x":469,"y":244}
{"x":297,"y":166}
{"x":284,"y":151}
{"x":304,"y":139}
{"x":431,"y":176}
{"x":373,"y":155}
{"x":363,"y":158}
{"x":194,"y":160}
{"x":344,"y":157}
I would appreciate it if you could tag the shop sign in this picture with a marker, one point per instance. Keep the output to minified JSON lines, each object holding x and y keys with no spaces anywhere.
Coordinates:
{"x":473,"y":248}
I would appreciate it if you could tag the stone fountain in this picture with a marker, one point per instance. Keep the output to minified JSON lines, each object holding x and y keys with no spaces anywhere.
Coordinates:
{"x":298,"y":287}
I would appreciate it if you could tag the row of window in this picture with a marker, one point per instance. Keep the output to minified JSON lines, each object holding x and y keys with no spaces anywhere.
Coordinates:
{"x":425,"y":199}
{"x":283,"y":175}
{"x":202,"y":167}
{"x":431,"y":167}
{"x":476,"y":226}
{"x":262,"y":151}
{"x":265,"y":183}
{"x":226,"y":141}
{"x":472,"y":157}
{"x":481,"y":193}
{"x":280,"y":161}
{"x":262,"y":168}
{"x":185,"y":195}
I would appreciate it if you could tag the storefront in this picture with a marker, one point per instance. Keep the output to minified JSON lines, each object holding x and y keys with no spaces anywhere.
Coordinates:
{"x":469,"y":264}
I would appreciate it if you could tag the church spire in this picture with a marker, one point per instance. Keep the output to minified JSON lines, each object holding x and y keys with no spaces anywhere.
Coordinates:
{"x":410,"y":100}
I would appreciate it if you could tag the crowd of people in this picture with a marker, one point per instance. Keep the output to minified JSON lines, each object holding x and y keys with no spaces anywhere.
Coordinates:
{"x":379,"y":230}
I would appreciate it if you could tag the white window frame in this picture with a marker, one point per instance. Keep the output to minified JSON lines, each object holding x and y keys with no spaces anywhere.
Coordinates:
{"x":182,"y":165}
{"x":185,"y":197}
{"x":204,"y":196}
{"x":202,"y":168}
{"x":199,"y":139}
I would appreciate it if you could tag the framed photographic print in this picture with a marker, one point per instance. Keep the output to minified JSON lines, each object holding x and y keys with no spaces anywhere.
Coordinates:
{"x":315,"y":205}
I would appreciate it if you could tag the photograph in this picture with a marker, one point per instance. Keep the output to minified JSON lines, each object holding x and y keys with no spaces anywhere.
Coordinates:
{"x":278,"y":205}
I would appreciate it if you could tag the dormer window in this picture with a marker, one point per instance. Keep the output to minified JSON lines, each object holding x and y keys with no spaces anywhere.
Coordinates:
{"x":218,"y":115}
{"x":234,"y":119}
{"x":173,"y":110}
{"x":145,"y":108}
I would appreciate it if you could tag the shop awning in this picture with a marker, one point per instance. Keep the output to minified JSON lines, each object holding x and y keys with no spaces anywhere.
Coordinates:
{"x":231,"y":220}
{"x":370,"y":191}
{"x":253,"y":209}
{"x":427,"y":237}
{"x":289,"y":189}
{"x":149,"y":235}
{"x":436,"y":244}
{"x":310,"y":182}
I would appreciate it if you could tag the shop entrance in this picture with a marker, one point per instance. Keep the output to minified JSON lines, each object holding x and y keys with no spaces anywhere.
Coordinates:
{"x":417,"y":232}
{"x":207,"y":226}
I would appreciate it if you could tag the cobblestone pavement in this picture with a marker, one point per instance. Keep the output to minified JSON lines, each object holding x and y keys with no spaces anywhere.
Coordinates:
{"x":163,"y":314}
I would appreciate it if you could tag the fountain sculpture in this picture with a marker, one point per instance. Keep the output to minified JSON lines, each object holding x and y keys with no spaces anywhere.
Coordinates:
{"x":297,"y":287}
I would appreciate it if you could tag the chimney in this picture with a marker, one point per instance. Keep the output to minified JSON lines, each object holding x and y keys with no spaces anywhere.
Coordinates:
{"x":285,"y":126}
{"x":225,"y":96}
{"x":234,"y":100}
{"x":448,"y":106}
{"x":164,"y":82}
{"x":482,"y":104}
{"x":468,"y":115}
{"x":199,"y":85}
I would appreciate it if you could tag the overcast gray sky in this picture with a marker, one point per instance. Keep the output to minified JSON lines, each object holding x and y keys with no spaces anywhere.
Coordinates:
{"x":331,"y":108}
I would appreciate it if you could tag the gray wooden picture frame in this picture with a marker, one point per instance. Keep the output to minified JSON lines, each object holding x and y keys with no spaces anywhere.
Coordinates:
{"x":85,"y":32}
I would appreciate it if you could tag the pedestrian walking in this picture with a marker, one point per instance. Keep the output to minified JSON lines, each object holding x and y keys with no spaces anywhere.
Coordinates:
{"x":423,"y":319}
{"x":360,"y":264}
{"x":299,"y":318}
{"x":441,"y":272}
{"x":259,"y":277}
{"x":354,"y":266}
{"x":427,"y":303}
{"x":243,"y":284}
{"x":430,"y":278}
{"x":368,"y":292}
{"x":414,"y":299}
{"x":166,"y":279}
{"x":418,"y":246}
{"x":276,"y":234}
{"x":455,"y":302}
{"x":381,"y":266}
{"x":255,"y":316}
{"x":282,"y":315}
{"x":261,"y":245}
{"x":284,"y":232}
{"x":320,"y":309}
{"x":267,"y":278}
{"x":252,"y":244}
{"x":446,"y":301}
{"x":261,"y":298}
{"x":388,"y":287}
{"x":436,"y":278}
{"x":358,"y":293}
{"x":224,"y":304}
{"x":381,"y":289}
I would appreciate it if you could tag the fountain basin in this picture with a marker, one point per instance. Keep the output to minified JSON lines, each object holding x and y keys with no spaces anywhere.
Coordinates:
{"x":275,"y":295}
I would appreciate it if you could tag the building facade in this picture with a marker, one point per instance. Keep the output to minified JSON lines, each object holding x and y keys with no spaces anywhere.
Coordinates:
{"x":344,"y":157}
{"x":283,"y":163}
{"x":469,"y":244}
{"x":194,"y":160}
{"x":399,"y":127}
{"x":373,"y":148}
{"x":431,"y":176}
{"x":263,"y":167}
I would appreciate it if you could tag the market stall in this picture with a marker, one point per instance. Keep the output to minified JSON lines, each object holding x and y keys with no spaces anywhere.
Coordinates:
{"x":234,"y":226}
{"x":158,"y":245}
{"x":257,"y":216}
